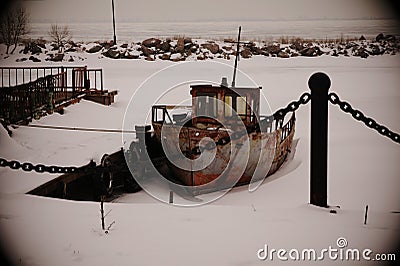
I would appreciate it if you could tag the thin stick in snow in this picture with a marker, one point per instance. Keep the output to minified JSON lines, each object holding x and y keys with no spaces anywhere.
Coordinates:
{"x":366,"y":215}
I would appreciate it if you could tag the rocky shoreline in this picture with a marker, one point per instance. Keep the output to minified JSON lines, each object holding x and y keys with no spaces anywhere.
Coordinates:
{"x":184,"y":48}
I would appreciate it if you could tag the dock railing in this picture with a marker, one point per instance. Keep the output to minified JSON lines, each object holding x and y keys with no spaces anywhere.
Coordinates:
{"x":27,"y":90}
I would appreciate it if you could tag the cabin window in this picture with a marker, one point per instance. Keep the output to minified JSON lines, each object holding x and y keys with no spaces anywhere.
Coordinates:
{"x":241,"y":105}
{"x":228,"y":105}
{"x":206,"y":104}
{"x":237,"y":103}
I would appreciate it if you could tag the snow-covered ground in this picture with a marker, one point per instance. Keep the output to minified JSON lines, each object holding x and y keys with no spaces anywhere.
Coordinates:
{"x":363,"y":170}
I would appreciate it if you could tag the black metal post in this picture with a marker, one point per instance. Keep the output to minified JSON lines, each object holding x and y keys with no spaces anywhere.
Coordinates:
{"x":319,"y":84}
{"x":113,"y":14}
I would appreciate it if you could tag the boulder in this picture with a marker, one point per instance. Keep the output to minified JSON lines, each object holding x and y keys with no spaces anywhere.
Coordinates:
{"x":129,"y":55}
{"x":165,"y":47}
{"x":125,"y":45}
{"x":21,"y":59}
{"x":94,"y":49}
{"x":380,"y":37}
{"x":33,"y":48}
{"x":57,"y":58}
{"x":362,"y":38}
{"x":70,"y":50}
{"x":273,"y":49}
{"x":34,"y":59}
{"x":150,"y":58}
{"x":165,"y":56}
{"x":297,"y":45}
{"x":375,"y":50}
{"x":187,"y":40}
{"x":246,"y":53}
{"x":212,"y":47}
{"x":146,"y":51}
{"x":283,"y":54}
{"x":201,"y":57}
{"x":311,"y":51}
{"x":177,"y":57}
{"x":361,"y":52}
{"x":111,"y":53}
{"x":152,"y":42}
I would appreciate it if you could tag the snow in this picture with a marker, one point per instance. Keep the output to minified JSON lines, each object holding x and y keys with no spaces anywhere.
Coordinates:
{"x":363,"y":170}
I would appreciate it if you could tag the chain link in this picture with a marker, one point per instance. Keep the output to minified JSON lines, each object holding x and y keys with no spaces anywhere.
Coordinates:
{"x":292,"y":106}
{"x":39,"y":168}
{"x":359,"y":116}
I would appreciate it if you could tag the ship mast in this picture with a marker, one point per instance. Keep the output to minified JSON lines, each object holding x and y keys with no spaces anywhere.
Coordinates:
{"x":237,"y":58}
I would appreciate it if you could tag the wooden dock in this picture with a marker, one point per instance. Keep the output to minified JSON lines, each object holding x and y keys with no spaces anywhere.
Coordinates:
{"x":28,"y":93}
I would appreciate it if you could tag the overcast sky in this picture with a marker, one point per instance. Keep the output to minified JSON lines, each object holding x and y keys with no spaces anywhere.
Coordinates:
{"x":205,"y":10}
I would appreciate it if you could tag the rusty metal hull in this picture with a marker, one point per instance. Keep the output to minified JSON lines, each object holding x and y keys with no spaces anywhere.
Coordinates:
{"x":265,"y":154}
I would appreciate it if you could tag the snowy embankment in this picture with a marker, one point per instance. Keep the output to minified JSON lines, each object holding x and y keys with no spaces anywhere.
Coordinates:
{"x":363,"y":169}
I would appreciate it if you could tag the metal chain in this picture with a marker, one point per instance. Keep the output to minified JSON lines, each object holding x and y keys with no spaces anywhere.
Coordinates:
{"x":40,"y":168}
{"x":293,"y":106}
{"x":359,"y":116}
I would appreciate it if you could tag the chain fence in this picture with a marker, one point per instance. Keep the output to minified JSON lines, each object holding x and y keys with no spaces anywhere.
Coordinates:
{"x":359,"y":116}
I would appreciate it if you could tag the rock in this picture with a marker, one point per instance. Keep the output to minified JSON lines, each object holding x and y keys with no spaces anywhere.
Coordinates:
{"x":55,"y":47}
{"x":194,"y":48}
{"x":297,"y":45}
{"x":255,"y":50}
{"x":165,"y":57}
{"x":283,"y":54}
{"x":273,"y":49}
{"x":201,"y":57}
{"x":187,"y":40}
{"x":70,"y":50}
{"x":180,"y":46}
{"x":390,"y":38}
{"x":246,"y":53}
{"x":362,"y":38}
{"x":146,"y":51}
{"x":380,"y":37}
{"x":71,"y":59}
{"x":34,"y":59}
{"x":176,"y":57}
{"x":361,"y":52}
{"x":57,"y":58}
{"x":165,"y":47}
{"x":375,"y":50}
{"x":150,"y":58}
{"x":152,"y":42}
{"x":125,"y":45}
{"x":94,"y":49}
{"x":41,"y":44}
{"x":227,"y":48}
{"x":111,"y":53}
{"x":128,"y":55}
{"x":311,"y":51}
{"x":212,"y":47}
{"x":33,"y":48}
{"x":21,"y":59}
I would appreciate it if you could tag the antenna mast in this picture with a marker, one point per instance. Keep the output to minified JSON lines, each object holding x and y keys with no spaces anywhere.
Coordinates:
{"x":237,"y":58}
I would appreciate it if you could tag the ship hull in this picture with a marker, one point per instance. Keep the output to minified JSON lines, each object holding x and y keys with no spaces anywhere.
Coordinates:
{"x":250,"y":158}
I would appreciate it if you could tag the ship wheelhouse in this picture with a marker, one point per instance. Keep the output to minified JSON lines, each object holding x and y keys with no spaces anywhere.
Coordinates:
{"x":220,"y":104}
